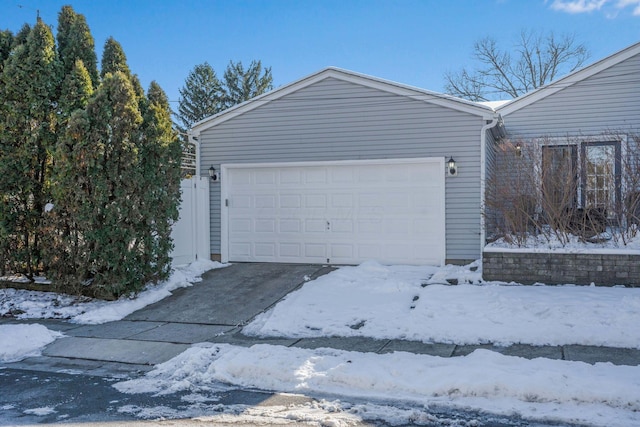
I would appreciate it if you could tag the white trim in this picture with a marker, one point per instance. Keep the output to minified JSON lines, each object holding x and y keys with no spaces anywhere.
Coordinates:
{"x":335,"y":163}
{"x":224,"y":190}
{"x":569,"y":80}
{"x":352,"y":77}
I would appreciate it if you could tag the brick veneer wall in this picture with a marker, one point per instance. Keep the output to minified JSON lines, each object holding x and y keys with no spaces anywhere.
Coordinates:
{"x":560,"y":268}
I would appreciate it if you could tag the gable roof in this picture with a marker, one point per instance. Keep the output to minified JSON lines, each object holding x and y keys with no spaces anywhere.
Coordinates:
{"x":569,"y":80}
{"x":353,"y":77}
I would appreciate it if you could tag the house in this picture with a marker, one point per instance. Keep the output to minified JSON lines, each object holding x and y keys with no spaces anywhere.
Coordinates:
{"x":580,"y":135}
{"x":341,"y":167}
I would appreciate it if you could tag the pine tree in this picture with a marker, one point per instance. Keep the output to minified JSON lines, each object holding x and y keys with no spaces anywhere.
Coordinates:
{"x":108,"y":151}
{"x":77,"y":88}
{"x":113,"y":59}
{"x":64,"y":247}
{"x":6,"y":42}
{"x":76,"y":42}
{"x":29,"y":85}
{"x":242,"y":85}
{"x":21,"y":36}
{"x":159,"y":182}
{"x":200,"y":97}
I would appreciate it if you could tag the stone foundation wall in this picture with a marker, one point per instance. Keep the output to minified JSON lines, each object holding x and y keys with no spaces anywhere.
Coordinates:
{"x":561,"y":268}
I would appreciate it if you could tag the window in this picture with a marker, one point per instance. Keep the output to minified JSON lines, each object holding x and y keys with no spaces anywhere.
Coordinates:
{"x":601,"y":176}
{"x":559,"y":178}
{"x":581,"y":175}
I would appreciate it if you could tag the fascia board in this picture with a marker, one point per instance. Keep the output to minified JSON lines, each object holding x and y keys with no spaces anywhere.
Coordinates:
{"x":569,"y":80}
{"x":415,"y":93}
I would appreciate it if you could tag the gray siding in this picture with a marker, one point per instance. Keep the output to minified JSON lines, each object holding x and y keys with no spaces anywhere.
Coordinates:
{"x":337,"y":120}
{"x":606,"y":101}
{"x":490,"y":169}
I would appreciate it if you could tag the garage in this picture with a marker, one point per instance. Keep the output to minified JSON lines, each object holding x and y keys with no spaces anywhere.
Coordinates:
{"x":339,"y":212}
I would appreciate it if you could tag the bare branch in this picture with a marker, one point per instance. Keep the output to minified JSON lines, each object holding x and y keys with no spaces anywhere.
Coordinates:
{"x":534,"y":61}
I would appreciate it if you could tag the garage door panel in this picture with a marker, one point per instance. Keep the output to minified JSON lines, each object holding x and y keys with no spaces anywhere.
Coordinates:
{"x":265,"y":226}
{"x":315,"y":201}
{"x":341,"y":226}
{"x":290,"y":225}
{"x":240,"y":225}
{"x":315,"y":250}
{"x":290,"y":250}
{"x":264,"y":249}
{"x":338,"y":213}
{"x":315,"y":175}
{"x":265,"y":201}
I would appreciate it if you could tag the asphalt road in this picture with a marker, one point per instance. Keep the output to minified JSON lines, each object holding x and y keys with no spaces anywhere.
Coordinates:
{"x":36,"y":398}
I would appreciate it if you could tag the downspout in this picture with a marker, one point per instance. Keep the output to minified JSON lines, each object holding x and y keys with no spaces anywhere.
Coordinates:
{"x":483,"y":176}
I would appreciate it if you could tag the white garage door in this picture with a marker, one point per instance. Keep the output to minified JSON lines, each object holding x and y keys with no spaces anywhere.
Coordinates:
{"x":391,"y":211}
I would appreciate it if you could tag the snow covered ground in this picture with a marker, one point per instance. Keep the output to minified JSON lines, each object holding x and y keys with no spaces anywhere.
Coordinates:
{"x":540,"y":389}
{"x":403,"y":302}
{"x":20,"y":341}
{"x":23,"y":304}
{"x":412,"y":303}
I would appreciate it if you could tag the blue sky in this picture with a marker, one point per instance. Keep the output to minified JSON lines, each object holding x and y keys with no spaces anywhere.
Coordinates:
{"x":408,"y":41}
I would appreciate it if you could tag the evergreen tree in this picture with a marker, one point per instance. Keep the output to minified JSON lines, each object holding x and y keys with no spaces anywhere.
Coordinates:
{"x":95,"y":172}
{"x":29,"y":85}
{"x":108,"y":153}
{"x":64,"y":248}
{"x":77,"y":88}
{"x":200,"y":97}
{"x":113,"y":59}
{"x":6,"y":42}
{"x":203,"y":95}
{"x":159,"y":182}
{"x":242,"y":85}
{"x":76,"y":42}
{"x":21,"y":36}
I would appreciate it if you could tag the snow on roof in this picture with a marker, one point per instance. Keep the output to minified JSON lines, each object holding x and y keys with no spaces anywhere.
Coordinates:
{"x":494,"y":104}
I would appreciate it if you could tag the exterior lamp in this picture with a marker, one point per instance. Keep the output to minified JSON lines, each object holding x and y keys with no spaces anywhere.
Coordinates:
{"x":518,"y":149}
{"x":452,"y":168}
{"x":213,"y":174}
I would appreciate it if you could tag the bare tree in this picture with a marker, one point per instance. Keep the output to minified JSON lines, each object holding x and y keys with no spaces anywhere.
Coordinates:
{"x":534,"y":61}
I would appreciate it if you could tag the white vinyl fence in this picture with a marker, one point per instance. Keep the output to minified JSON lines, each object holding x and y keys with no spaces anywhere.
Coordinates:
{"x":191,"y":232}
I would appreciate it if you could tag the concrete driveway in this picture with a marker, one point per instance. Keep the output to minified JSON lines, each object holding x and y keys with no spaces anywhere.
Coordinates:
{"x":230,"y":296}
{"x":211,"y":310}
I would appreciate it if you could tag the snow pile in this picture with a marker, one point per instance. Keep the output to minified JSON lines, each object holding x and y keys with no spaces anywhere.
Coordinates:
{"x":397,"y":302}
{"x":21,"y":341}
{"x":33,"y":304}
{"x":548,"y":242}
{"x":540,"y":388}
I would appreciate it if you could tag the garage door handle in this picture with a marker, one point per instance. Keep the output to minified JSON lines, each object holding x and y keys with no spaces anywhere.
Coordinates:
{"x":328,"y":226}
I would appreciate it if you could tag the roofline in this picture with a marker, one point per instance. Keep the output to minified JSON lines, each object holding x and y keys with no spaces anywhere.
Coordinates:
{"x":350,"y":76}
{"x":569,"y":80}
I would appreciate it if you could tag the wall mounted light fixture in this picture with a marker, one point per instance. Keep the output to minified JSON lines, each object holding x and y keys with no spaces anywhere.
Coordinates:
{"x":518,"y":149}
{"x":452,"y":167}
{"x":213,"y":174}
